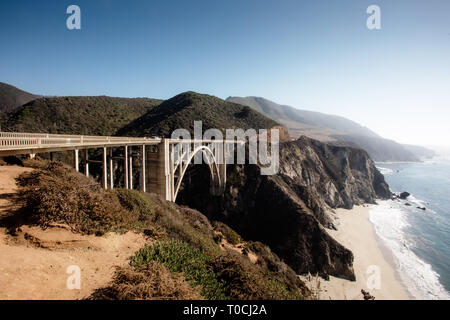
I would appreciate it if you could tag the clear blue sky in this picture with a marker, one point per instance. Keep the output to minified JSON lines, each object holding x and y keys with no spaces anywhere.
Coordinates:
{"x":316,"y":55}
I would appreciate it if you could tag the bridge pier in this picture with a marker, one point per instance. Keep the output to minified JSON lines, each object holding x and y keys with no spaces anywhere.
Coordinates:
{"x":111,"y":169}
{"x":76,"y":160}
{"x":125,"y":163}
{"x":130,"y":163}
{"x":105,"y":169}
{"x":86,"y":162}
{"x":142,"y":173}
{"x":158,"y":176}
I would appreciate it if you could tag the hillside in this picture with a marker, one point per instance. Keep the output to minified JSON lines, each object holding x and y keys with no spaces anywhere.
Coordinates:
{"x":129,"y":245}
{"x":333,"y":129}
{"x":78,"y":115}
{"x":11,"y":97}
{"x":182,"y":110}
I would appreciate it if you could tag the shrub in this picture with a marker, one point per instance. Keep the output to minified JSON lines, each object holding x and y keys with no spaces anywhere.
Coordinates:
{"x":179,"y":256}
{"x":245,"y":281}
{"x":230,"y":235}
{"x":57,"y":194}
{"x":152,"y":281}
{"x":225,"y":276}
{"x":136,"y":202}
{"x":186,"y":225}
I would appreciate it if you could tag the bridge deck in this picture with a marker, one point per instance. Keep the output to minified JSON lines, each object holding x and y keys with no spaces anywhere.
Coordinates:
{"x":12,"y":143}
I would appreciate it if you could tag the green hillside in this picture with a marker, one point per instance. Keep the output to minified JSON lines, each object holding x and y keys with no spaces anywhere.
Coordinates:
{"x":78,"y":115}
{"x":182,"y":110}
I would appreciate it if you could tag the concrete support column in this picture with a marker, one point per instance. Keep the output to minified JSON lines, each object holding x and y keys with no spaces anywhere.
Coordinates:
{"x":86,"y":162}
{"x":142,"y":176}
{"x":105,"y":169}
{"x":111,"y":169}
{"x":125,"y":163}
{"x":130,"y":161}
{"x":76,"y":160}
{"x":172,"y":173}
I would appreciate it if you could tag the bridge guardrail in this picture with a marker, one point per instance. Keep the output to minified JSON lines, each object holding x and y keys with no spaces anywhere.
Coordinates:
{"x":21,"y":140}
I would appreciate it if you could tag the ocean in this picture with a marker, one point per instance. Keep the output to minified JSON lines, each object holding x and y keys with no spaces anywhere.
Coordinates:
{"x":419,"y":240}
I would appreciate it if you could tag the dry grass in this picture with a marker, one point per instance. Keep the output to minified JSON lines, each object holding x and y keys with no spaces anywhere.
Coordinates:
{"x":55,"y":193}
{"x":150,"y":282}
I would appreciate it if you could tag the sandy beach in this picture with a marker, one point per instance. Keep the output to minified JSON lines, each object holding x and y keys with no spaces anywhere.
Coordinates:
{"x":356,"y":232}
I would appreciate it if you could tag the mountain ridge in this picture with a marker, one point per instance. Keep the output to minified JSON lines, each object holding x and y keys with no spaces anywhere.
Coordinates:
{"x":183,"y":109}
{"x":12,"y":97}
{"x":335,"y":130}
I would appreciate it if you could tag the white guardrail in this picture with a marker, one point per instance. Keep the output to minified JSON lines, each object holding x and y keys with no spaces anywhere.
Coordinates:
{"x":20,"y":140}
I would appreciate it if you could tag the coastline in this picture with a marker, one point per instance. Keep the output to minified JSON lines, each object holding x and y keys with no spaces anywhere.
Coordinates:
{"x":357,"y":233}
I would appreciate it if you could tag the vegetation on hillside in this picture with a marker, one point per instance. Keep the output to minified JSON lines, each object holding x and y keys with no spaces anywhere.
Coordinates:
{"x":183,"y":258}
{"x":182,"y":110}
{"x":152,"y":281}
{"x":78,"y":115}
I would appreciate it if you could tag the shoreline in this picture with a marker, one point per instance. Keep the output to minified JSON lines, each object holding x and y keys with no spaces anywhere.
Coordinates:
{"x":357,"y":233}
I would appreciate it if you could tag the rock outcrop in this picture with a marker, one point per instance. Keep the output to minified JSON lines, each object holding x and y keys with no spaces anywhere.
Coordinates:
{"x":289,"y":211}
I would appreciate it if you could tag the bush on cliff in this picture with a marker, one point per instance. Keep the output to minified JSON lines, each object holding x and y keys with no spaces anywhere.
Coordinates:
{"x":150,"y":282}
{"x":225,"y":276}
{"x":55,"y":193}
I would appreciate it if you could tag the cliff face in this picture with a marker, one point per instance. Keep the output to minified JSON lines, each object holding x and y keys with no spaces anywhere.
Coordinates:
{"x":288,"y":211}
{"x":330,"y":176}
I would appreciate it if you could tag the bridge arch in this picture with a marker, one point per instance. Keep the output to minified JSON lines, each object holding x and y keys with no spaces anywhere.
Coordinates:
{"x":217,"y":177}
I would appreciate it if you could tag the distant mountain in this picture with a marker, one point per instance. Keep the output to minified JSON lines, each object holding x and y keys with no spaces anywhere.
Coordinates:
{"x":77,"y":115}
{"x":421,"y":152}
{"x":300,"y":122}
{"x":12,"y":97}
{"x":182,"y":110}
{"x":334,"y":130}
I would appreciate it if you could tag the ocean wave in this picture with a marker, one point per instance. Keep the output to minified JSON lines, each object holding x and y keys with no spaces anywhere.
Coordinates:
{"x":389,"y":220}
{"x":385,"y":171}
{"x":420,"y":203}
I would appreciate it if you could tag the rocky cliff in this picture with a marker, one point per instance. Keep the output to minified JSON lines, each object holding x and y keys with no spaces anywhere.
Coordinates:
{"x":290,"y":211}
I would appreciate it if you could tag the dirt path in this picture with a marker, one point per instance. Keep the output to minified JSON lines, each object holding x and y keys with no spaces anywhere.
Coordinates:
{"x":34,"y":262}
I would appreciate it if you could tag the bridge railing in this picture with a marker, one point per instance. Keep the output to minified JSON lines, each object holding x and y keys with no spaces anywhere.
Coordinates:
{"x":21,"y":140}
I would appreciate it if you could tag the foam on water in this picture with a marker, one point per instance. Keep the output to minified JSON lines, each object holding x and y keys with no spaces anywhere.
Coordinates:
{"x":385,"y":171}
{"x":389,"y":220}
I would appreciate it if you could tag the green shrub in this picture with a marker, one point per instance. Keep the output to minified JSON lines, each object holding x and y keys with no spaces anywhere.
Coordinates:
{"x":187,"y":225}
{"x":230,"y":235}
{"x":179,"y":256}
{"x":245,"y":281}
{"x":137,"y":202}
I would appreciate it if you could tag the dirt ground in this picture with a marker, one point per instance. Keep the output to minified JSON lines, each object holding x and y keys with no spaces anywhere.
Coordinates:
{"x":34,"y":262}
